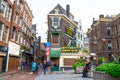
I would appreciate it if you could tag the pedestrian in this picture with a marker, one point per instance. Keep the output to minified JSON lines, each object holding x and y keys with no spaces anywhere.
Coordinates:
{"x":23,"y":65}
{"x":45,"y":66}
{"x":33,"y":67}
{"x":86,"y":68}
{"x":50,"y":65}
{"x":40,"y":67}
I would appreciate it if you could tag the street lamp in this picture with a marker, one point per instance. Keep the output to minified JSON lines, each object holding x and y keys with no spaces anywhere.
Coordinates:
{"x":95,"y":54}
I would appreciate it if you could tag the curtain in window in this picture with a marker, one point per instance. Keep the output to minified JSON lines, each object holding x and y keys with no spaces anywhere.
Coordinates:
{"x":55,"y":37}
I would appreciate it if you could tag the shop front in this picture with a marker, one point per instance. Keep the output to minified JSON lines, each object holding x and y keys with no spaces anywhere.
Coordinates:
{"x":54,"y":56}
{"x":3,"y":58}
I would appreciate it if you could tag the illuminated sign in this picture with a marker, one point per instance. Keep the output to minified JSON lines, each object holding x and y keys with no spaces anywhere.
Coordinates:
{"x":69,"y":31}
{"x":70,"y":49}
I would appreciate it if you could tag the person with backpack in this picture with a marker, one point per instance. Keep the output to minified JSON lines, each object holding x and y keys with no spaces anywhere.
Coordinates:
{"x":33,"y":67}
{"x":50,"y":64}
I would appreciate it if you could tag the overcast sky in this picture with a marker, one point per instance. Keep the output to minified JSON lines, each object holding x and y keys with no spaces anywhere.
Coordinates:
{"x":81,"y":9}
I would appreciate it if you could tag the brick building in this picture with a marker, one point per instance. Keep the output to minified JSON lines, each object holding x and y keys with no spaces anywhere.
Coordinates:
{"x":5,"y":23}
{"x":61,"y":34}
{"x":104,"y":37}
{"x":15,"y":34}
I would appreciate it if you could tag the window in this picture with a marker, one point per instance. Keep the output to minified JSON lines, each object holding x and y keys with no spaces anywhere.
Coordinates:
{"x":116,"y":29}
{"x":20,"y":23}
{"x":78,"y":35}
{"x":117,"y":44}
{"x":17,"y":35}
{"x":20,"y":6}
{"x":21,"y":40}
{"x":80,"y":27}
{"x":8,"y":12}
{"x":1,"y":30}
{"x":56,"y":22}
{"x":81,"y":37}
{"x":5,"y":34}
{"x":2,"y":6}
{"x":55,"y":37}
{"x":16,"y":17}
{"x":108,"y":31}
{"x":109,"y":45}
{"x":13,"y":33}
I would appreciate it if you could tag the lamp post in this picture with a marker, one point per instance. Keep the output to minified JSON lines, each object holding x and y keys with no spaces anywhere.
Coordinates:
{"x":95,"y":54}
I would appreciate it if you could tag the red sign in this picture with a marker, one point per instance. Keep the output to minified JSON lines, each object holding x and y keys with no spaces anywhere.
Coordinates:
{"x":47,"y":51}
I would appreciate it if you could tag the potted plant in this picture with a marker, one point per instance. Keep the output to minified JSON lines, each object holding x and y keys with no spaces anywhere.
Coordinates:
{"x":78,"y":65}
{"x":107,"y":71}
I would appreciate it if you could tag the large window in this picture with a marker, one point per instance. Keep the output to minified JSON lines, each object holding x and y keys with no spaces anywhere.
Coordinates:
{"x":109,"y":45}
{"x":55,"y":37}
{"x":8,"y":11}
{"x":2,"y":6}
{"x":56,"y":22}
{"x":5,"y":33}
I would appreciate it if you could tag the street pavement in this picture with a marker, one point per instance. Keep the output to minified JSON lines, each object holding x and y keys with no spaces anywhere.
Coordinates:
{"x":67,"y":75}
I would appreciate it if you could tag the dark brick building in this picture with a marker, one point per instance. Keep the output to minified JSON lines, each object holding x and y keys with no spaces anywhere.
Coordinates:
{"x":104,"y":37}
{"x":61,"y":30}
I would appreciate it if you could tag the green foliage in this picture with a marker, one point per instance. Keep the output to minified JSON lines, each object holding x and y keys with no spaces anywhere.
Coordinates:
{"x":75,"y":65}
{"x":111,"y":68}
{"x":78,"y":62}
{"x":86,"y":51}
{"x":101,"y":60}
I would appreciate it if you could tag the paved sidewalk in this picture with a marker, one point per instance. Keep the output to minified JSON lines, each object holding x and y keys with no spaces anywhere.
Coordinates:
{"x":58,"y":75}
{"x":18,"y":75}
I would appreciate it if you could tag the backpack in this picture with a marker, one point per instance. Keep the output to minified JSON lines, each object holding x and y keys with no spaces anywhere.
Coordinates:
{"x":49,"y":63}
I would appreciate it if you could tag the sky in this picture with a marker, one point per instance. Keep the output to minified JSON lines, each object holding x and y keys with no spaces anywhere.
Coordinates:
{"x":85,"y":10}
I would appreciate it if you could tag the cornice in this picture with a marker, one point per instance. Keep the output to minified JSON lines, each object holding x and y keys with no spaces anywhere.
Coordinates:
{"x":63,"y":17}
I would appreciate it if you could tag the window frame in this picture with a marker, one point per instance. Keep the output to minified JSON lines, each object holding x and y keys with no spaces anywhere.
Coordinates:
{"x":57,"y":21}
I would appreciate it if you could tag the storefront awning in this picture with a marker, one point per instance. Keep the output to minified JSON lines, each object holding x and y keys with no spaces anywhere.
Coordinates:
{"x":55,"y":53}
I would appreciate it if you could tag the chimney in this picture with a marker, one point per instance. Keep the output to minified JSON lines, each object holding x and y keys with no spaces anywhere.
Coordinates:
{"x":68,"y":10}
{"x":101,"y":16}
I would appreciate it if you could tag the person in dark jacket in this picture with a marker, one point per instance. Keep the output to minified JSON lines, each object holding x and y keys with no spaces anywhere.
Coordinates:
{"x":45,"y":66}
{"x":86,"y":69}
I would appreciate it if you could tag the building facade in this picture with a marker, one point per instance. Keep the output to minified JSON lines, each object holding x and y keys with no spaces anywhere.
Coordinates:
{"x":62,"y":36}
{"x":104,"y":37}
{"x":79,"y":35}
{"x":5,"y":23}
{"x":86,"y":42}
{"x":16,"y":39}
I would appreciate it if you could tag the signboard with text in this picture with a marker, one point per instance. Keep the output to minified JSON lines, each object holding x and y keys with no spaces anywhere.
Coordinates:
{"x":69,"y":31}
{"x":70,"y":50}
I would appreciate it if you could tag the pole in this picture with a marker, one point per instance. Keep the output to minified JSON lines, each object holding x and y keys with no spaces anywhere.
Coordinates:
{"x":7,"y":60}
